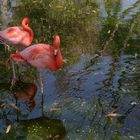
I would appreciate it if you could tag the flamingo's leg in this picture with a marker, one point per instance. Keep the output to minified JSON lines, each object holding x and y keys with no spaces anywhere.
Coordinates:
{"x":14,"y":74}
{"x":42,"y":92}
{"x":12,"y":63}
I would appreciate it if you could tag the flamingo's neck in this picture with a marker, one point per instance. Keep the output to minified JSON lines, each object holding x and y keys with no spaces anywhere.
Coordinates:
{"x":25,"y":26}
{"x":56,"y":45}
{"x":56,"y":42}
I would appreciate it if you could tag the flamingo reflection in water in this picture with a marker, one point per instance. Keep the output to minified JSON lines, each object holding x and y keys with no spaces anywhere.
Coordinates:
{"x":41,"y":56}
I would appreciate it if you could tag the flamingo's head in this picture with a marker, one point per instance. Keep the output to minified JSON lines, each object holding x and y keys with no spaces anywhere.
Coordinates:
{"x":57,"y":52}
{"x":25,"y":25}
{"x":17,"y":57}
{"x":25,"y":21}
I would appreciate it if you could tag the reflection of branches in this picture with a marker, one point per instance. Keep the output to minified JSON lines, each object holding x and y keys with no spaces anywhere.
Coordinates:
{"x":129,"y":34}
{"x":127,"y":112}
{"x":128,"y":10}
{"x":105,"y":105}
{"x":112,"y":35}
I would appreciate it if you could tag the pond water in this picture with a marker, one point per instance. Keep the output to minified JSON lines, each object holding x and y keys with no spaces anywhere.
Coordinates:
{"x":95,"y":95}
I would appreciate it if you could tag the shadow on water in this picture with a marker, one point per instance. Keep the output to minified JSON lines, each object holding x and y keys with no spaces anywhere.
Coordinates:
{"x":96,"y":93}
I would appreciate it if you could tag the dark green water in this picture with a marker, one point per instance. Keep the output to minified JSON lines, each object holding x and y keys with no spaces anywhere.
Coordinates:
{"x":101,"y":73}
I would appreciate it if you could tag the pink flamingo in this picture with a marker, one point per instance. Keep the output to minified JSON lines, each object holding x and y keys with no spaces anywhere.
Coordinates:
{"x":17,"y":35}
{"x":41,"y":55}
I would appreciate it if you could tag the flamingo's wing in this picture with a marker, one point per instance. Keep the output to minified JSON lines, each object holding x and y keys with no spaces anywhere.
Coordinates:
{"x":13,"y":35}
{"x":37,"y":51}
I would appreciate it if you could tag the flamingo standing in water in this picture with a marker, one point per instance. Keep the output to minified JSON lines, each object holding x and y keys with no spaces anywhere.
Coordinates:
{"x":17,"y":36}
{"x":41,"y":56}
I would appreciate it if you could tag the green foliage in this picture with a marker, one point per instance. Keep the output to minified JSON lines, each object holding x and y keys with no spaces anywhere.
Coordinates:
{"x":41,"y":128}
{"x":50,"y":17}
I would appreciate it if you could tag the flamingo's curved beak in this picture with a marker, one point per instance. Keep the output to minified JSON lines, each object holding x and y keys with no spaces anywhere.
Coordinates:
{"x":55,"y":52}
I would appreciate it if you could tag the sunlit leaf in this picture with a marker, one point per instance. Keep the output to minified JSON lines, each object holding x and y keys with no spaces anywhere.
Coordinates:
{"x":8,"y":129}
{"x":113,"y":114}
